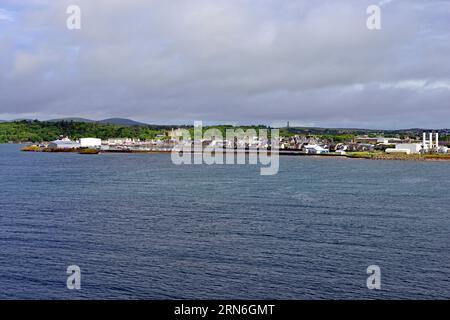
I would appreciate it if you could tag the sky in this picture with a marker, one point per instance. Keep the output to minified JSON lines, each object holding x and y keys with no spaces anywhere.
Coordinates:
{"x":313,"y":63}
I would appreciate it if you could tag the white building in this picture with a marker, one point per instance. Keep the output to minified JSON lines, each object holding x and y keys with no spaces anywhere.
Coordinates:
{"x":385,"y":141}
{"x":315,"y":149}
{"x":121,"y":141}
{"x":64,"y":143}
{"x":90,"y":143}
{"x":407,"y":148}
{"x":430,"y":143}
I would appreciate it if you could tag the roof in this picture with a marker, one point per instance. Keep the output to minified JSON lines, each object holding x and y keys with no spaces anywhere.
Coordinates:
{"x":64,"y":142}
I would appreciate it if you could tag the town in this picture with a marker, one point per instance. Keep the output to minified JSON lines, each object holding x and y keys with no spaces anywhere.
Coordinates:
{"x":362,"y":146}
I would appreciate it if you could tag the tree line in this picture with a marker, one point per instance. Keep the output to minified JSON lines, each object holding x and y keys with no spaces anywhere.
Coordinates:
{"x":37,"y":131}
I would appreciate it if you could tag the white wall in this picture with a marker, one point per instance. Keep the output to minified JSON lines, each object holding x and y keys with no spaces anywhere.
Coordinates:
{"x":90,"y":142}
{"x":412,"y":147}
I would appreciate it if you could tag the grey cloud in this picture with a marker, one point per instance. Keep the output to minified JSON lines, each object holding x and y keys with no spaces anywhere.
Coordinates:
{"x":251,"y":61}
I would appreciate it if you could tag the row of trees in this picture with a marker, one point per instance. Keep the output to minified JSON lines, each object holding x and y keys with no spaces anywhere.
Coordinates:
{"x":36,"y":131}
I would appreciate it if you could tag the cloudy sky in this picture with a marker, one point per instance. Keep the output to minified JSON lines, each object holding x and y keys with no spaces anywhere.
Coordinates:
{"x":313,"y":63}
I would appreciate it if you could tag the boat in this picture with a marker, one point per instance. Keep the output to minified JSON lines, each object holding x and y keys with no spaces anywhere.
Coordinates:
{"x":88,"y":151}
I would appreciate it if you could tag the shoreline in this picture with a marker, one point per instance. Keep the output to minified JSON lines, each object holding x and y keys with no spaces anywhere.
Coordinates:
{"x":296,"y":153}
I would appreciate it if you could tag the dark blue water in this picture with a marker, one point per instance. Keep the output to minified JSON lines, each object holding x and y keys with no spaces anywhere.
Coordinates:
{"x":140,"y":227}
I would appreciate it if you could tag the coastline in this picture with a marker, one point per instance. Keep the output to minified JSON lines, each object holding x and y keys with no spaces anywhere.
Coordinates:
{"x":356,"y":155}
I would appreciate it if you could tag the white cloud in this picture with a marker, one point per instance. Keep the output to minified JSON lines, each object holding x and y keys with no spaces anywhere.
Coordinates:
{"x":418,"y":84}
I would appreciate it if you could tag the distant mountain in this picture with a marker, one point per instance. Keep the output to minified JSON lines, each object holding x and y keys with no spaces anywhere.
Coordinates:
{"x":20,"y":119}
{"x":74,"y":119}
{"x":117,"y":121}
{"x":122,"y":122}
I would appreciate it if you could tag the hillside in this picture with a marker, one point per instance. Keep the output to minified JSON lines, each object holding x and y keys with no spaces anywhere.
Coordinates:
{"x":75,"y":119}
{"x":117,"y":121}
{"x":122,"y":122}
{"x":37,"y":131}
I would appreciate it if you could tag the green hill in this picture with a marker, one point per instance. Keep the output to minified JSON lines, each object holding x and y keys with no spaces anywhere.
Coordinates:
{"x":37,"y":131}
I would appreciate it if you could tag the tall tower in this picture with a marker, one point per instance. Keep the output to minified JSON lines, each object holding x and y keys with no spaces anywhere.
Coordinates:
{"x":432,"y":144}
{"x":437,"y":141}
{"x":424,"y":141}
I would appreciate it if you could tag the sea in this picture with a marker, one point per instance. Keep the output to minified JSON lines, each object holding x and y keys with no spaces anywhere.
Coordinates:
{"x":140,"y":227}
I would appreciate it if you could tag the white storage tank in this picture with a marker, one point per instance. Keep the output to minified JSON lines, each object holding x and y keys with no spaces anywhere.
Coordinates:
{"x":90,"y":143}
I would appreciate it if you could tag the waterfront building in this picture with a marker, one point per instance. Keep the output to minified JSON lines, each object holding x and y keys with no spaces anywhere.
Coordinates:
{"x":315,"y":149}
{"x":63,"y":143}
{"x":388,"y":141}
{"x":377,"y":140}
{"x":121,"y":141}
{"x":406,"y":148}
{"x":90,"y":143}
{"x":429,"y":144}
{"x":359,"y":147}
